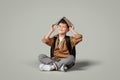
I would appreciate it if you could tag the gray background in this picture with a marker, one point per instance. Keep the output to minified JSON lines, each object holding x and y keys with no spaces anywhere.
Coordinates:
{"x":23,"y":23}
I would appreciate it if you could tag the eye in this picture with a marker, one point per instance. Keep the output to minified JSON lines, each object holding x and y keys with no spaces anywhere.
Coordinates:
{"x":64,"y":26}
{"x":59,"y":26}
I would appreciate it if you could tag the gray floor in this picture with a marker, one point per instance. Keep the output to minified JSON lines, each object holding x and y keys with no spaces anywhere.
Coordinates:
{"x":23,"y":23}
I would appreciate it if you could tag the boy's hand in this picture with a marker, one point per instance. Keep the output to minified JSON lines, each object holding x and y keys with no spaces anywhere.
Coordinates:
{"x":71,"y":28}
{"x":53,"y":28}
{"x":50,"y":32}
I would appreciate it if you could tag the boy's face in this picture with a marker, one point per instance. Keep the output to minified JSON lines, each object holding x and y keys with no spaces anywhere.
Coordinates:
{"x":62,"y":28}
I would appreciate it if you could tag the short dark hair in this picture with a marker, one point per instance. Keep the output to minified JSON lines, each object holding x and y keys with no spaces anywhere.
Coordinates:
{"x":63,"y":21}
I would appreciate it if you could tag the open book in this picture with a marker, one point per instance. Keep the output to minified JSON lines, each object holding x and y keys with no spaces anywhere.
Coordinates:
{"x":67,"y":21}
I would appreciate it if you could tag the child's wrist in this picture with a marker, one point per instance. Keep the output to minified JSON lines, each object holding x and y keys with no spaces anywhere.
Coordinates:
{"x":51,"y":31}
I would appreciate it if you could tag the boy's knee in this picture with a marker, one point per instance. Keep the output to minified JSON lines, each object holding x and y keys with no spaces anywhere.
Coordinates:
{"x":41,"y":56}
{"x":71,"y":57}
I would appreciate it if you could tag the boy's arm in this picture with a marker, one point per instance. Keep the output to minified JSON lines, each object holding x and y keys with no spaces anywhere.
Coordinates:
{"x":46,"y":39}
{"x":50,"y":32}
{"x":76,"y":38}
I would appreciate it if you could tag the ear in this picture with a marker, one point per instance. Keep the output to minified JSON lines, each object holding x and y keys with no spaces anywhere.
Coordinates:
{"x":68,"y":30}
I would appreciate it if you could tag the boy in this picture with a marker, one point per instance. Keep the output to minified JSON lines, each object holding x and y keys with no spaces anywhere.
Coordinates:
{"x":61,"y":57}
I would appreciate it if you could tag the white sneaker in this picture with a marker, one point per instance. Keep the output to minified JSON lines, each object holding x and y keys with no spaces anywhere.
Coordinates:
{"x":63,"y":68}
{"x":45,"y":67}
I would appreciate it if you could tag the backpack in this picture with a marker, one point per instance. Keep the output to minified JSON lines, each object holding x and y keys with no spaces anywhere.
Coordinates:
{"x":72,"y":51}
